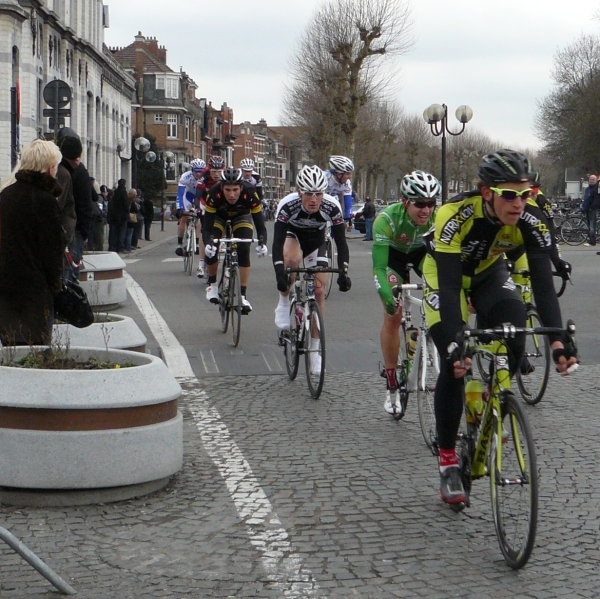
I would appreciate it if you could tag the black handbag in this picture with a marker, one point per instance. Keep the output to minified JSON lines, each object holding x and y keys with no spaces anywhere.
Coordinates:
{"x":71,"y":305}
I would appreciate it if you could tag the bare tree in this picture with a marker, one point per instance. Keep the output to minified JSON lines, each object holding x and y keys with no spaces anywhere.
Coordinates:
{"x":568,"y":117}
{"x":338,"y":68}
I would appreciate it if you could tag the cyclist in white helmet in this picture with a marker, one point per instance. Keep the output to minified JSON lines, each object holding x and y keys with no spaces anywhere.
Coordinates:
{"x":299,"y":234}
{"x":186,"y":204}
{"x":339,"y":185}
{"x":251,"y":177}
{"x":397,"y":242}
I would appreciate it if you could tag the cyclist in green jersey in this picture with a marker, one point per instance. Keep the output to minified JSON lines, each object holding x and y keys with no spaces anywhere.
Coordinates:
{"x":398,"y":242}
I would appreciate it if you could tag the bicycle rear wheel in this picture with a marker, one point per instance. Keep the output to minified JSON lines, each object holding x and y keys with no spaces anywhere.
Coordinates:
{"x":224,"y":300}
{"x":190,"y":249}
{"x":314,"y":356}
{"x":532,"y":375}
{"x":514,"y":483}
{"x":291,"y":342}
{"x":235,"y":304}
{"x":573,"y":230}
{"x":428,"y":371}
{"x":331,"y":261}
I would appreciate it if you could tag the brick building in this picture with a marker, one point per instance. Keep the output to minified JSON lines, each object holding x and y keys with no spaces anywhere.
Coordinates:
{"x":46,"y":40}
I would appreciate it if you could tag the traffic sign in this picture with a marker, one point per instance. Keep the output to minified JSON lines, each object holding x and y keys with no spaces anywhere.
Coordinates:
{"x":57,"y":93}
{"x":53,"y":112}
{"x":52,"y":126}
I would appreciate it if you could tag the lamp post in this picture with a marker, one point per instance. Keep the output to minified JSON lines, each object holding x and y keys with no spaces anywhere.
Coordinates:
{"x":436,"y":116}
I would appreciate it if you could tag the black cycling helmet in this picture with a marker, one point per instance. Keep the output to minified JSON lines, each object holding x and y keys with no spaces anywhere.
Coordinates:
{"x":231,"y":176}
{"x":534,"y":178}
{"x":505,"y":166}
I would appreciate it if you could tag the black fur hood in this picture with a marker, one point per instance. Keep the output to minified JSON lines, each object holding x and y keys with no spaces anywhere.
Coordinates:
{"x":44,"y":181}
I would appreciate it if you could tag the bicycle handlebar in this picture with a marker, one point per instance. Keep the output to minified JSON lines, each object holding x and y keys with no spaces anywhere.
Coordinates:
{"x":396,"y":289}
{"x":509,"y":331}
{"x":313,"y":270}
{"x":565,"y":276}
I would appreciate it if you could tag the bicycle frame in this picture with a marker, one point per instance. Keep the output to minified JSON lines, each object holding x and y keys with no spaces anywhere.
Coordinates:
{"x":500,"y":383}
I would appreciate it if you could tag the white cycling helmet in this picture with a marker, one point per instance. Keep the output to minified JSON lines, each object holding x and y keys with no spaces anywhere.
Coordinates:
{"x":311,"y":179}
{"x":198,"y":164}
{"x":247,"y":164}
{"x":419,"y":185}
{"x":341,"y":164}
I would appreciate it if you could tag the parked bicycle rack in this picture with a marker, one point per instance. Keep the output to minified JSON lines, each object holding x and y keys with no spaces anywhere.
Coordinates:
{"x":33,"y":560}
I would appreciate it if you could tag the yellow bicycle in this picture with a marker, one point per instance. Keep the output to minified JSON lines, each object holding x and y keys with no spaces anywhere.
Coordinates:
{"x":498,"y":442}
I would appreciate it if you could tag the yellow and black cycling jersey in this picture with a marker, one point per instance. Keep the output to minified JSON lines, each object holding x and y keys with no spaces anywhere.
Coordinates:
{"x":464,"y":227}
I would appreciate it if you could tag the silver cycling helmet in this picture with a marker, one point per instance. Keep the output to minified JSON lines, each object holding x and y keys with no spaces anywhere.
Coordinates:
{"x":419,"y":185}
{"x":216,"y":162}
{"x":311,"y":179}
{"x":247,"y":164}
{"x":198,"y":164}
{"x":341,"y":164}
{"x":231,"y":176}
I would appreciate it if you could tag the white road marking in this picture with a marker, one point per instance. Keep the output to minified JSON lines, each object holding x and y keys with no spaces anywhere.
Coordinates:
{"x":272,"y":362}
{"x":282,"y":565}
{"x":131,"y":260}
{"x":209,"y":362}
{"x":178,"y":259}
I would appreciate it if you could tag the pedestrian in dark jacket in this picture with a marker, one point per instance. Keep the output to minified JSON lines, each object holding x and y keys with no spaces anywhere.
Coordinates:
{"x":71,"y":150}
{"x":138,"y":229}
{"x":148,"y":212}
{"x":31,"y":250}
{"x":590,"y":207}
{"x":118,"y":212}
{"x":369,"y":216}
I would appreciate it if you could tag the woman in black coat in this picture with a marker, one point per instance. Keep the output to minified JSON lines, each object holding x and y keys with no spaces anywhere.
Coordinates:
{"x":32,"y":246}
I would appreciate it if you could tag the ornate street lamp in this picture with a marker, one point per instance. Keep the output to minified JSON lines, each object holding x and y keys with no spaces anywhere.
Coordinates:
{"x":436,"y":116}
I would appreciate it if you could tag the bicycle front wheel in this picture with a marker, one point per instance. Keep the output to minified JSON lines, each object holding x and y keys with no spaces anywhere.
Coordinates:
{"x":291,"y":341}
{"x":186,"y":253}
{"x":573,"y":230}
{"x":235,"y":304}
{"x":330,"y":264}
{"x":533,"y":372}
{"x":224,"y":300}
{"x":428,"y":371}
{"x":514,"y":483}
{"x":314,"y":349}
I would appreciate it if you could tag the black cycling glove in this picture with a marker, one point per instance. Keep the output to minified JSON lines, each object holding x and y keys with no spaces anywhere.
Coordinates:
{"x":283,"y":280}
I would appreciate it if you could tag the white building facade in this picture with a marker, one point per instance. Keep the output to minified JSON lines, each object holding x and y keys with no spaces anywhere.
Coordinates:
{"x":46,"y":40}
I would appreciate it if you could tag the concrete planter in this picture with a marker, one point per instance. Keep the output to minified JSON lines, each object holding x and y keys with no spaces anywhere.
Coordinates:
{"x":119,"y":332}
{"x":116,"y":431}
{"x":101,"y":277}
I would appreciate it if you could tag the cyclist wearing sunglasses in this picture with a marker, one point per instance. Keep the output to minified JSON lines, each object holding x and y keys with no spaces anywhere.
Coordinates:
{"x":299,"y":235}
{"x":465,"y":253}
{"x":398,"y":242}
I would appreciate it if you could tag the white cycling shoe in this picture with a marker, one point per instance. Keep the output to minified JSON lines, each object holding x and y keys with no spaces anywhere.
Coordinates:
{"x":392,"y":403}
{"x":212,"y":294}
{"x":315,"y":364}
{"x":282,"y":317}
{"x":246,"y":306}
{"x":200,"y":271}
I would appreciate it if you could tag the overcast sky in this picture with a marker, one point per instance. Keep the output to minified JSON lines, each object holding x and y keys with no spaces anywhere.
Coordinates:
{"x":497,"y":57}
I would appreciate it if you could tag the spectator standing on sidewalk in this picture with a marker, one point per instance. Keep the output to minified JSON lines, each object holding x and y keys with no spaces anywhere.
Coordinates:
{"x":369,"y":216}
{"x":118,"y":213}
{"x":138,"y":229}
{"x":71,"y":150}
{"x":148,"y":212}
{"x":590,"y":207}
{"x":132,"y":219}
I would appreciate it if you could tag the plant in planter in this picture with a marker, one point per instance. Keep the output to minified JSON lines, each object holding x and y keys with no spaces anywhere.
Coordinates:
{"x":108,"y":331}
{"x":113,"y":430}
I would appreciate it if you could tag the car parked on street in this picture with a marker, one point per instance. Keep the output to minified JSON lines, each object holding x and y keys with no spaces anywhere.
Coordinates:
{"x":358,"y":219}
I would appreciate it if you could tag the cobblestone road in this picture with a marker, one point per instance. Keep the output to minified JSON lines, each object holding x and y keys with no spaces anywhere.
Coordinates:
{"x":348,"y":506}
